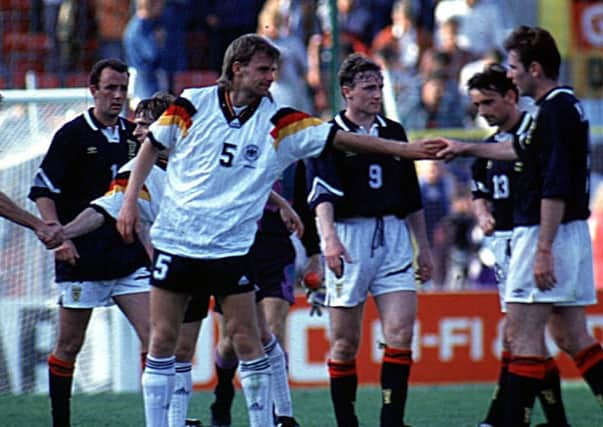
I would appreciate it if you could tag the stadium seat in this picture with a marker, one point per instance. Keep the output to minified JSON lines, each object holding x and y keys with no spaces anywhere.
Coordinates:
{"x":76,"y":80}
{"x":193,"y":78}
{"x":19,"y":43}
{"x":12,"y":5}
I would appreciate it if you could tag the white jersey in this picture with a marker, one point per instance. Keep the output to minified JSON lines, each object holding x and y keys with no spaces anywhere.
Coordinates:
{"x":222,"y":167}
{"x":149,"y":197}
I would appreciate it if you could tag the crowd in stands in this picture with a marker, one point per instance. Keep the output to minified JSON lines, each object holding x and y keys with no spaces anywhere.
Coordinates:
{"x":427,"y":48}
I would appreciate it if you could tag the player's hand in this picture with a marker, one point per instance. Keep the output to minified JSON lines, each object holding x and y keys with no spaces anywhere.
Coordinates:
{"x":291,"y":220}
{"x":544,"y":272}
{"x":486,"y":223}
{"x":425,"y":149}
{"x":451,"y":149}
{"x":424,"y":264}
{"x":128,"y":221}
{"x":314,"y":264}
{"x":335,"y":255}
{"x":67,"y":252}
{"x":51,"y":234}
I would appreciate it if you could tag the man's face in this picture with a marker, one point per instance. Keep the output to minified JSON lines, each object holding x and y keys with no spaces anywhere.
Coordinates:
{"x":520,"y":76}
{"x":492,"y":106}
{"x":366,"y":94}
{"x":110,"y":94}
{"x":257,"y":76}
{"x":143,"y":121}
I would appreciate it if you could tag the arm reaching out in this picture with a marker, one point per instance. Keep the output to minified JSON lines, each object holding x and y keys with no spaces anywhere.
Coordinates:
{"x":88,"y":220}
{"x":501,"y":151}
{"x":421,"y":149}
{"x":128,"y":219}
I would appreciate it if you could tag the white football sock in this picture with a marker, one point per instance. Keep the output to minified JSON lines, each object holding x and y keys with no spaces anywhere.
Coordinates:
{"x":157,"y":388}
{"x":183,"y":386}
{"x":281,"y":395}
{"x":255,"y":380}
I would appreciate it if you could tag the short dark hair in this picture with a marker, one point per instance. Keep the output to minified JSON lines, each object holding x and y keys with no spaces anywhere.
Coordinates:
{"x":535,"y":44}
{"x":112,"y":63}
{"x":353,"y":65}
{"x":494,"y":78}
{"x":242,"y":50}
{"x":155,"y":105}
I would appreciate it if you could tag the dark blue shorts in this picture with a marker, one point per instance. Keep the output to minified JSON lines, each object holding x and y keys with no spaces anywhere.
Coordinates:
{"x":274,"y":257}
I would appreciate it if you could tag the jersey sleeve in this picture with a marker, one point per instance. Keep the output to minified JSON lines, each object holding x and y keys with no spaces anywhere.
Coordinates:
{"x":479,"y":180}
{"x":111,"y":202}
{"x":53,"y":173}
{"x":297,"y":135}
{"x":324,"y":183}
{"x":173,"y":124}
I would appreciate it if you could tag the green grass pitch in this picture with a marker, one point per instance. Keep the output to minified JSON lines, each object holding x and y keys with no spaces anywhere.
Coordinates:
{"x":443,"y":406}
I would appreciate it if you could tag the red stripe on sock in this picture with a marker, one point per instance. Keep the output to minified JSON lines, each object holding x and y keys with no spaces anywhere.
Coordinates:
{"x":588,"y":357}
{"x":397,"y":356}
{"x":526,"y":366}
{"x":59,"y":367}
{"x":341,"y":369}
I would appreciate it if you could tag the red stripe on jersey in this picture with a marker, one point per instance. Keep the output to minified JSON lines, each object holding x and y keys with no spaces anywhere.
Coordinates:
{"x":177,"y":115}
{"x":287,"y":120}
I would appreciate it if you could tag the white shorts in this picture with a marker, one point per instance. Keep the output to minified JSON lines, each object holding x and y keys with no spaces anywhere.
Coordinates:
{"x":382,"y":256}
{"x":500,"y":245}
{"x":93,"y":294}
{"x":573,"y":263}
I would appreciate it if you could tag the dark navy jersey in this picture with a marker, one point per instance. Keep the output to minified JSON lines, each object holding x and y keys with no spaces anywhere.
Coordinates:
{"x":495,"y":180}
{"x":555,"y":155}
{"x":83,"y":158}
{"x":365,"y":185}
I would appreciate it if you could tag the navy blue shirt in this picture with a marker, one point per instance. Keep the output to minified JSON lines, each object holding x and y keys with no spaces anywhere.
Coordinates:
{"x":495,"y":180}
{"x":83,"y":158}
{"x":365,"y":185}
{"x":555,"y":155}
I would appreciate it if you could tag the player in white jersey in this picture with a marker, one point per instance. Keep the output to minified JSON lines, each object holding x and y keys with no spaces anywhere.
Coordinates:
{"x":228,"y":144}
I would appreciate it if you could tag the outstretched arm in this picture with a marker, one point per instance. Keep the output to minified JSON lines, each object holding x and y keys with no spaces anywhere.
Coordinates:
{"x":49,"y":233}
{"x":88,"y":220}
{"x":422,"y":149}
{"x":128,"y":219}
{"x":500,"y":151}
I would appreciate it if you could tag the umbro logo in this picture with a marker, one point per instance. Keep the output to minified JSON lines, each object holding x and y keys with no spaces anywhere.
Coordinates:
{"x":91,"y":150}
{"x":243,"y":281}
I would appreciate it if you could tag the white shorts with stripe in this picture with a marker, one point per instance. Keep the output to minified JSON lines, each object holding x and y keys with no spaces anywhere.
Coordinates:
{"x":382,"y":256}
{"x":573,"y":264}
{"x":91,"y":294}
{"x":500,"y":245}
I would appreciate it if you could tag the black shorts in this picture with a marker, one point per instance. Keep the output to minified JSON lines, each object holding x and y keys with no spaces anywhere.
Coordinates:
{"x":203,"y":277}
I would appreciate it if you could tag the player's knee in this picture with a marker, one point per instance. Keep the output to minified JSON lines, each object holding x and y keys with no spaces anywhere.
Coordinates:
{"x":344,"y":349}
{"x":399,"y":337}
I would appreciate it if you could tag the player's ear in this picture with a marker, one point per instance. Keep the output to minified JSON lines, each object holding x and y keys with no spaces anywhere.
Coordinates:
{"x":236,"y":67}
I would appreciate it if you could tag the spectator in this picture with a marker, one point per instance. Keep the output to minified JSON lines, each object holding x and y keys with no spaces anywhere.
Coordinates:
{"x":111,"y":17}
{"x":401,"y":36}
{"x":226,"y":21}
{"x":290,"y":87}
{"x":353,"y":20}
{"x":438,"y":106}
{"x":482,"y":25}
{"x":457,"y":56}
{"x":144,"y":43}
{"x":174,"y":18}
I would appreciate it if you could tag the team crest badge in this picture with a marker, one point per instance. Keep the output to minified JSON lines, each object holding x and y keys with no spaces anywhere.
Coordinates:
{"x":76,"y":293}
{"x":251,"y":152}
